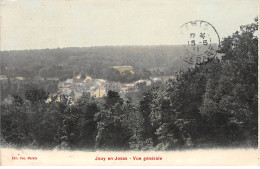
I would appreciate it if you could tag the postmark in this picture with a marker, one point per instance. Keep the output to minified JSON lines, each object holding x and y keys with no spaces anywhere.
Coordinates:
{"x":201,"y":42}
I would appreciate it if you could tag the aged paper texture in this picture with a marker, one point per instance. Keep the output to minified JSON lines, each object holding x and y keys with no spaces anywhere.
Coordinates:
{"x":129,"y":82}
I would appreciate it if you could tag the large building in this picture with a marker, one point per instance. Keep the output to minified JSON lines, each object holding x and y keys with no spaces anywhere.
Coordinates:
{"x":123,"y":69}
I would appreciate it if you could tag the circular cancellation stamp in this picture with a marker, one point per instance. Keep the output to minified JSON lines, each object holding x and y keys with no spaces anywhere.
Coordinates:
{"x":201,"y":42}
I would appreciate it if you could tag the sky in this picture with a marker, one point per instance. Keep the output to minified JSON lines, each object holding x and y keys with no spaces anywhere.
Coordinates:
{"x":39,"y":24}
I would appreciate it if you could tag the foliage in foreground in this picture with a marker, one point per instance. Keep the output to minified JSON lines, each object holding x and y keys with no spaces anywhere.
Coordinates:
{"x":211,"y":105}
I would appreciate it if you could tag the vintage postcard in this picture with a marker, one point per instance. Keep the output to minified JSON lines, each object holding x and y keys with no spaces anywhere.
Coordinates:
{"x":129,"y":82}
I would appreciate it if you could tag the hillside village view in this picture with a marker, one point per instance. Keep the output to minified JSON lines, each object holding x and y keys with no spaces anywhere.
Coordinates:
{"x":131,"y":97}
{"x":74,"y":88}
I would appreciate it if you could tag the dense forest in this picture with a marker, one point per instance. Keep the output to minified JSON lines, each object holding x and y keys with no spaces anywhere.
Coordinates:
{"x":96,"y":62}
{"x":211,"y":105}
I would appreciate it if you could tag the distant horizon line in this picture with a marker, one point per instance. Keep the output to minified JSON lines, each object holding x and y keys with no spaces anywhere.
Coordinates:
{"x":89,"y":47}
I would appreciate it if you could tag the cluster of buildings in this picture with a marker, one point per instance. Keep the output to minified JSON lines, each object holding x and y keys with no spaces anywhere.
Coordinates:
{"x":98,"y":88}
{"x":74,"y":88}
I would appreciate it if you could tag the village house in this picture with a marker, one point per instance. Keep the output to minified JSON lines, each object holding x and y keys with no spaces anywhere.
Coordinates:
{"x":78,"y":77}
{"x":69,"y":81}
{"x":3,"y":77}
{"x":98,"y":93}
{"x":49,"y":99}
{"x":147,"y":82}
{"x":130,"y":87}
{"x":114,"y":86}
{"x":20,"y":78}
{"x":88,"y":79}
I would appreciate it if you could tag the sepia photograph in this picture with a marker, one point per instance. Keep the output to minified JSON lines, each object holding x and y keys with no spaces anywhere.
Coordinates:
{"x":129,"y":82}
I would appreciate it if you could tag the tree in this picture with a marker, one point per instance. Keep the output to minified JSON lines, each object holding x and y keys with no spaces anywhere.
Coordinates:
{"x":145,"y":110}
{"x":87,"y":108}
{"x":15,"y":127}
{"x":36,"y":95}
{"x":112,"y":132}
{"x":112,"y":98}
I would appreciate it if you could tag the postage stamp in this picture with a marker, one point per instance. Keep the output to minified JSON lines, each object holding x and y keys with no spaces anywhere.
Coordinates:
{"x":201,"y":42}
